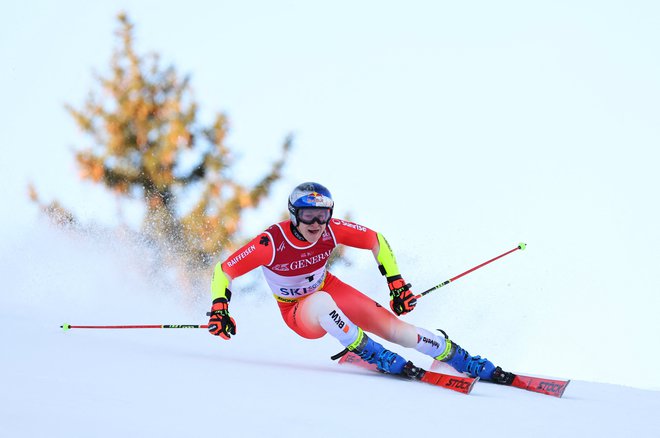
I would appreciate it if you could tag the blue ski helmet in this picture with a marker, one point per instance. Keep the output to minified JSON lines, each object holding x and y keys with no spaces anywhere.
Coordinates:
{"x":309,"y":195}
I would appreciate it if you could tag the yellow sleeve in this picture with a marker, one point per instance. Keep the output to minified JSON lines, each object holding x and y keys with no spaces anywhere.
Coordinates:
{"x":386,"y":260}
{"x":219,"y":283}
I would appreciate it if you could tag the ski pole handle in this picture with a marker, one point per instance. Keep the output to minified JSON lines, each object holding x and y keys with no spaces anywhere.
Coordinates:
{"x":521,"y":246}
{"x":66,"y":327}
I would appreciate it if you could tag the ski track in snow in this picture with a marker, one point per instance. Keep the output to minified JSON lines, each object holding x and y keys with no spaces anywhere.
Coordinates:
{"x":265,"y":382}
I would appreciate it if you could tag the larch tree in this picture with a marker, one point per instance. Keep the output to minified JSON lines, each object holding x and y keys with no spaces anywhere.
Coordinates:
{"x":147,"y":143}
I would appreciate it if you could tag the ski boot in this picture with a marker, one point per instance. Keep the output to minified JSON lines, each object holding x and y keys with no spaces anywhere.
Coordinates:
{"x":372,"y":352}
{"x":461,"y":361}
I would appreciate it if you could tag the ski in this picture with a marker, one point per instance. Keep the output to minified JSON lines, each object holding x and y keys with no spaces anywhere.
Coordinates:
{"x":460,"y":384}
{"x":552,"y":387}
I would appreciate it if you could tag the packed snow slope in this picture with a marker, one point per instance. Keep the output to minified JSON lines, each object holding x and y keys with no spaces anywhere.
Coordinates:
{"x":267,"y":381}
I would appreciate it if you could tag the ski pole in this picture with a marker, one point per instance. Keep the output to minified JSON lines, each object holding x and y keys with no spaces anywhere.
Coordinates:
{"x":520,"y":246}
{"x":66,"y":327}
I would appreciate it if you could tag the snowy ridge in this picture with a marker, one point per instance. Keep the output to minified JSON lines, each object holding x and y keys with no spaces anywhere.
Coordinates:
{"x":265,"y":382}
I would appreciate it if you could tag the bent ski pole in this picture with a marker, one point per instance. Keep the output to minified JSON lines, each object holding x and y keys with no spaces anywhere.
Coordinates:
{"x":521,"y":247}
{"x":66,"y":327}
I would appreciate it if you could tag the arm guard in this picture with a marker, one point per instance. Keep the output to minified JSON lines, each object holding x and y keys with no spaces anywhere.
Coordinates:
{"x":219,"y":284}
{"x":386,"y":261}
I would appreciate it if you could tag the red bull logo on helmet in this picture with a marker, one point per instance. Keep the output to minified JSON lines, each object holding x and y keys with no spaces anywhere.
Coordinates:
{"x":316,"y":199}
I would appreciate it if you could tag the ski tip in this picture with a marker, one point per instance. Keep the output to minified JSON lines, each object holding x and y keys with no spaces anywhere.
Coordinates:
{"x":561,"y":394}
{"x":551,"y":387}
{"x":65,"y":327}
{"x":476,"y":379}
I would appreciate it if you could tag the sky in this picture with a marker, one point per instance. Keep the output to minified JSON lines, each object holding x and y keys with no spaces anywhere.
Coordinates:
{"x":456,"y":130}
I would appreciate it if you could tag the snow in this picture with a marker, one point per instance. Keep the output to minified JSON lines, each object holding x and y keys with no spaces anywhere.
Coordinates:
{"x":265,"y":382}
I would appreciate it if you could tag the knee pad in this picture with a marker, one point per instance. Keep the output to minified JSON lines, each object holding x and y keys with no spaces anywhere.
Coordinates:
{"x":319,"y":303}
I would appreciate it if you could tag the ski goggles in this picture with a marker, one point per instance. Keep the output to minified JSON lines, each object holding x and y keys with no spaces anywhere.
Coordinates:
{"x":315,"y":214}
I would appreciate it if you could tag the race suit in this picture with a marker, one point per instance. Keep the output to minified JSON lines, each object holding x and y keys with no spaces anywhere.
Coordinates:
{"x":296,"y":270}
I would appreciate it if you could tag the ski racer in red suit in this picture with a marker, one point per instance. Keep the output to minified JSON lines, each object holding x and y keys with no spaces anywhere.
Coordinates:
{"x":293,"y":255}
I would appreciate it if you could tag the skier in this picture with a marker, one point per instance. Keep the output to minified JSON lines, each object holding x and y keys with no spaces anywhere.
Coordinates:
{"x":313,"y":302}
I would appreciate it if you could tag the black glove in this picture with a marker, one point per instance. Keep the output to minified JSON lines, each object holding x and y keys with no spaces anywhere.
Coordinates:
{"x":221,"y":323}
{"x":402,"y":299}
